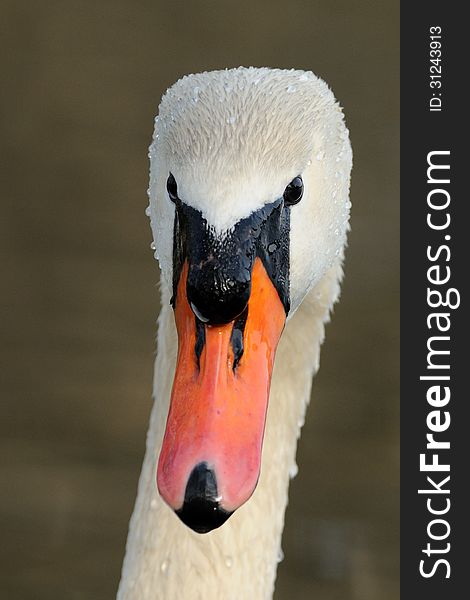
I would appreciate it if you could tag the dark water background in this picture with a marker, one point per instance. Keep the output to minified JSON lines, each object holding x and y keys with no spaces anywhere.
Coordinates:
{"x":81,"y":81}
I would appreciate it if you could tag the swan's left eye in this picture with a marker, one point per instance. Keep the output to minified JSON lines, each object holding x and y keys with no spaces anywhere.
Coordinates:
{"x":172,"y":188}
{"x":294,"y":191}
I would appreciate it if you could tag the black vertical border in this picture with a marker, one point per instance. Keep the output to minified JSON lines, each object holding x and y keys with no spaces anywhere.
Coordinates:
{"x":423,"y":131}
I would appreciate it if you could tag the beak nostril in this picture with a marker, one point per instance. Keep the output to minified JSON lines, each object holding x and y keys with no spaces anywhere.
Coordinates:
{"x":201,"y":511}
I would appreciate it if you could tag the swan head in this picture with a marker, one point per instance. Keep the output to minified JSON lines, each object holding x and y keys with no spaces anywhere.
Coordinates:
{"x":249,"y":207}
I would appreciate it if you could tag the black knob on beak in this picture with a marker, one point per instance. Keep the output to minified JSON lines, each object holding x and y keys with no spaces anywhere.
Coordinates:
{"x":201,"y":511}
{"x":215,"y":297}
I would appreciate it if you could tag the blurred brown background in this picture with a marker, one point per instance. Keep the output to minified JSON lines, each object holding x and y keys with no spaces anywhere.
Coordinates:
{"x":81,"y":82}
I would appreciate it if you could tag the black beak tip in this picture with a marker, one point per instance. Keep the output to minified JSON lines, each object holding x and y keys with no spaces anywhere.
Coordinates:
{"x":201,"y":511}
{"x":202,"y":516}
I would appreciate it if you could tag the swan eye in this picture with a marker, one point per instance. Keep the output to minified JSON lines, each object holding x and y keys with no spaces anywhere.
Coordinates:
{"x":294,"y":191}
{"x":172,"y":188}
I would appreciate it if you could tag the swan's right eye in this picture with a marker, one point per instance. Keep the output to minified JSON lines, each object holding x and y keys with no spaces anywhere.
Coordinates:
{"x":172,"y":188}
{"x":294,"y":191}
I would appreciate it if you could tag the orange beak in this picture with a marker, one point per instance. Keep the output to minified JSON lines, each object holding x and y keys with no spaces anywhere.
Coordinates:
{"x":210,"y":459}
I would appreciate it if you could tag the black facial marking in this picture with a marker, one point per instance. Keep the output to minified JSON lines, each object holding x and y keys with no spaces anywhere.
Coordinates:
{"x":236,"y":339}
{"x":218,"y":286}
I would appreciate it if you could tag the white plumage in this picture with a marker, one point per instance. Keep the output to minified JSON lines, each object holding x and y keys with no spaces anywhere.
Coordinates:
{"x":233,"y":140}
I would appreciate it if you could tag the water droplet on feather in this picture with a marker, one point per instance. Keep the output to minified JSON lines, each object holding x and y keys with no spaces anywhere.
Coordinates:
{"x":165,"y":565}
{"x":294,"y":469}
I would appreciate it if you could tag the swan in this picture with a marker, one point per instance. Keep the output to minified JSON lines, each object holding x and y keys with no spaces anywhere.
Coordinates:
{"x":249,"y":209}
